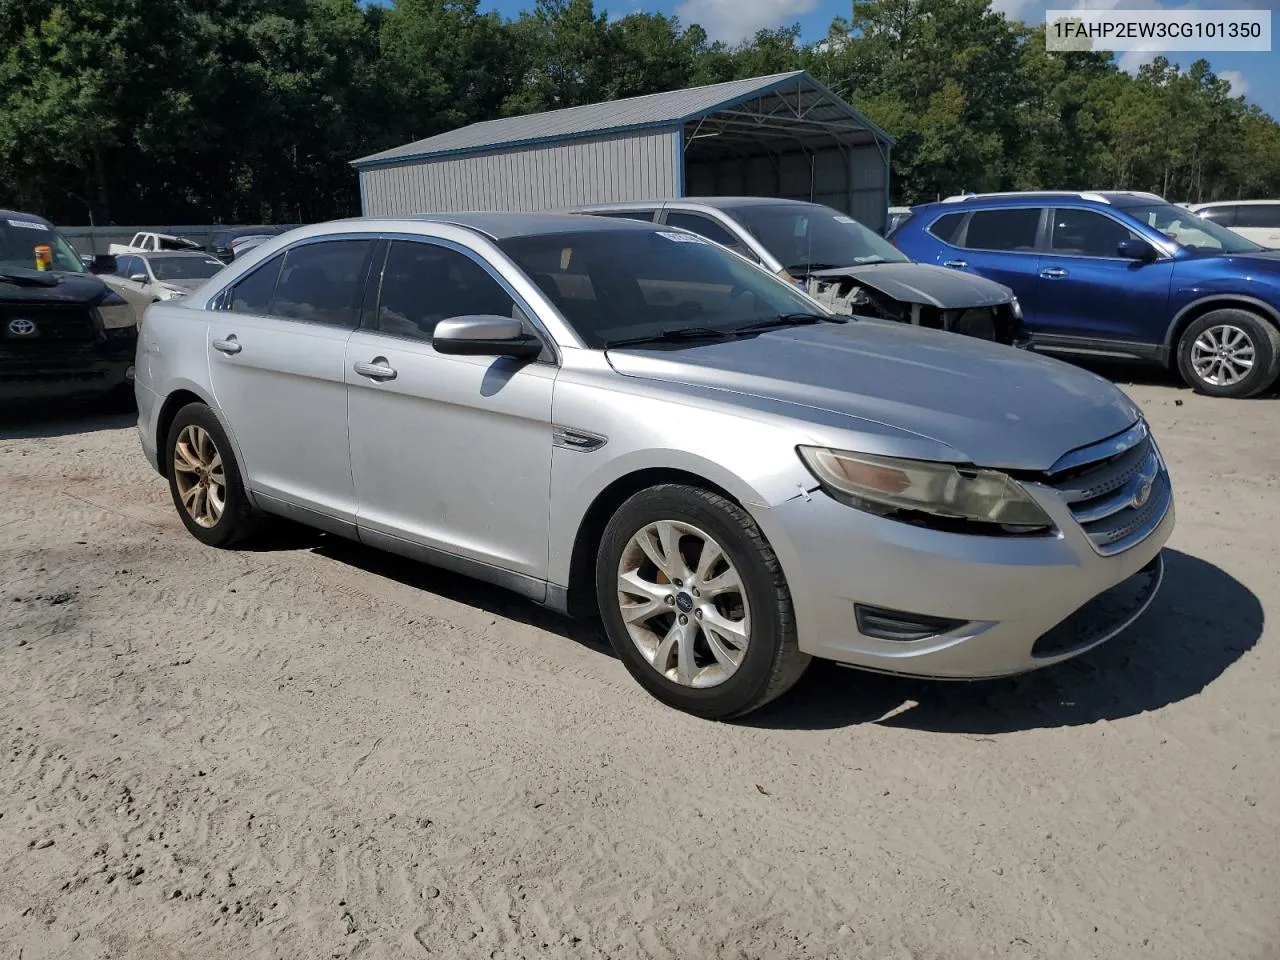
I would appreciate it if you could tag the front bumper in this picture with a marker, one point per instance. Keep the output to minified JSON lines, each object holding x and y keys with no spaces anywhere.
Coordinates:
{"x":68,"y":373}
{"x":1025,"y":603}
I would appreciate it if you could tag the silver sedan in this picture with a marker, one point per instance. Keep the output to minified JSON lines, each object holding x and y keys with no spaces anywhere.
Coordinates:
{"x":624,"y":420}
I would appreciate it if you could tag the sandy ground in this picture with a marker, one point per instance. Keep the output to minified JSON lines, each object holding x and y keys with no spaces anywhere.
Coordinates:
{"x":307,"y":750}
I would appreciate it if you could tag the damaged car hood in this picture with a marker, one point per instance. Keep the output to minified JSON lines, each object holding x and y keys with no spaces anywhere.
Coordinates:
{"x":923,"y":283}
{"x":993,"y":405}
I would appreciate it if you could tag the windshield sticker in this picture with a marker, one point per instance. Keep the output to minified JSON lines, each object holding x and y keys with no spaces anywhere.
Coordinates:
{"x":843,"y":219}
{"x":681,"y":237}
{"x":28,"y":225}
{"x":565,"y":256}
{"x":802,"y":226}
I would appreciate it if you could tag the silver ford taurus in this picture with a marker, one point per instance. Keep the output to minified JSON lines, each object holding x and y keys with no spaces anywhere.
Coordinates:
{"x":613,"y":417}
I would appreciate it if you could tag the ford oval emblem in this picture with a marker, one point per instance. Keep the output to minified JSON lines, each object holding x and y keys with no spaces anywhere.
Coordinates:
{"x":22,"y":327}
{"x":1143,"y":495}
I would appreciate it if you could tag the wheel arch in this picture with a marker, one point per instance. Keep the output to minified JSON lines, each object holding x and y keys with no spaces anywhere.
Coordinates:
{"x":580,"y":595}
{"x":1196,"y":309}
{"x":177,"y":398}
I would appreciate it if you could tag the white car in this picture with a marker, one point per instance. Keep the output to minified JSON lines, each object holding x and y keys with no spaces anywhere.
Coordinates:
{"x":145,"y":278}
{"x":1256,"y":220}
{"x":146,"y":242}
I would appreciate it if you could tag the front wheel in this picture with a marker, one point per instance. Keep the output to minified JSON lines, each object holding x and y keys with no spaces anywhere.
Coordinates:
{"x":695,"y":603}
{"x":1229,"y":353}
{"x":204,"y":479}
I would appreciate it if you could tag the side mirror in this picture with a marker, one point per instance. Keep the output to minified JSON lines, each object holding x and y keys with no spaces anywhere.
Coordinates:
{"x":138,"y":277}
{"x":1135,"y":248}
{"x":485,"y":336}
{"x":103,"y":263}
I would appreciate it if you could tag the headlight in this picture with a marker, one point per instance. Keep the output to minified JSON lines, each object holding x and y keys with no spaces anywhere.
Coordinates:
{"x":1015,"y":308}
{"x":887,"y":484}
{"x":116,"y":312}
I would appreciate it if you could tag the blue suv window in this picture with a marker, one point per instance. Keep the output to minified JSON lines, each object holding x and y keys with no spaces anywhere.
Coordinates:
{"x":1014,"y":229}
{"x":1084,"y":233}
{"x":946,"y":228}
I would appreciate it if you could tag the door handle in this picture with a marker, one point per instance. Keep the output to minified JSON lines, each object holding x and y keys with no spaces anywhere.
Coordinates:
{"x":956,"y":264}
{"x":1053,"y":273}
{"x":377,"y":369}
{"x":228,"y":346}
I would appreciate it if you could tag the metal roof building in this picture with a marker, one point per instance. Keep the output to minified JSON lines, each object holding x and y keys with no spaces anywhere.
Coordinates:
{"x":779,"y":136}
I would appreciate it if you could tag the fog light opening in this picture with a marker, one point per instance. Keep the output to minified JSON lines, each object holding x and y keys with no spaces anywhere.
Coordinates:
{"x":901,"y":627}
{"x":128,"y":374}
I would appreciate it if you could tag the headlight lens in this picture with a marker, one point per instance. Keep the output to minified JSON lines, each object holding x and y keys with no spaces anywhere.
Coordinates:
{"x":116,"y":312}
{"x":887,"y":484}
{"x":1015,"y":308}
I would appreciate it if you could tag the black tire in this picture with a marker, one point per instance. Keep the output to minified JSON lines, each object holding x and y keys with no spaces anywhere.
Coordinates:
{"x":1262,"y":337}
{"x":772,"y":661}
{"x":237,"y":519}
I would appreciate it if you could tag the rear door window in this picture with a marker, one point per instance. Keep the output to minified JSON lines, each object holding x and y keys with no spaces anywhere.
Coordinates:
{"x":424,"y":283}
{"x":323,"y":282}
{"x":1257,"y":216}
{"x":644,"y":216}
{"x":1013,"y":230}
{"x":253,"y":294}
{"x":705,"y":227}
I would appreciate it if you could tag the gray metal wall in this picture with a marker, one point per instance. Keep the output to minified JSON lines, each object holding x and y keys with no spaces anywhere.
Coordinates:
{"x":855,"y":182}
{"x":597,"y":170}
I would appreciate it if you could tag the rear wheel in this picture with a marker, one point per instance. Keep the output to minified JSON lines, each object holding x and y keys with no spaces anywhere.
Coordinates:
{"x":1229,"y":353}
{"x":695,"y":603}
{"x":204,"y":479}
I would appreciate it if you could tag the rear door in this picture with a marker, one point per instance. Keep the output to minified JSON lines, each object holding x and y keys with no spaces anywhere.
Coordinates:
{"x":276,"y":359}
{"x":1087,"y":291}
{"x":450,"y":453}
{"x":1001,"y":244}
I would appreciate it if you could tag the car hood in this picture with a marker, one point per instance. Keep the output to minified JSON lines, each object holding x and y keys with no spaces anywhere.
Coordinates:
{"x":65,"y":288}
{"x":995,"y":406}
{"x":925,"y":284}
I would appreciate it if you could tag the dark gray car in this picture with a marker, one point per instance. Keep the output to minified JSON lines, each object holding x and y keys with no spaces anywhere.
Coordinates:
{"x":838,"y":261}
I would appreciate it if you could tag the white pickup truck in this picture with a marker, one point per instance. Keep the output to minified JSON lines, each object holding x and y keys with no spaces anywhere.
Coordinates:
{"x":144,"y":242}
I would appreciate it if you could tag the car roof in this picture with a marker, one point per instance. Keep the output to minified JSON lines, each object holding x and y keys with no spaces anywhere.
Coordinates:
{"x":18,"y":215}
{"x":501,"y":226}
{"x":1231,"y":203}
{"x":1111,"y":198}
{"x":716,"y":203}
{"x":167,"y":253}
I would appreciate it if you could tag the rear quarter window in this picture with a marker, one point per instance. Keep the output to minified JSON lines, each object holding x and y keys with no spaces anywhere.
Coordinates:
{"x":947,"y":228}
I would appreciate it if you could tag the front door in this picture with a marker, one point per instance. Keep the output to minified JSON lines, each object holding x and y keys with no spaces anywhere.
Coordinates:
{"x":1086,"y":290}
{"x":449,"y":453}
{"x":277,"y":360}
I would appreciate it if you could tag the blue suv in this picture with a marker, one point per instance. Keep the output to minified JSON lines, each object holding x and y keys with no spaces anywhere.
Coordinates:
{"x":1124,"y":275}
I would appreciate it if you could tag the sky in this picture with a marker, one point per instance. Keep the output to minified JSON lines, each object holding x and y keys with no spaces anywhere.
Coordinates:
{"x":1254,"y":75}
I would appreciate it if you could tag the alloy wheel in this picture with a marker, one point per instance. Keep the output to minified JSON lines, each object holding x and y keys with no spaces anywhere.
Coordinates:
{"x":683,"y":603}
{"x":1223,"y":355}
{"x":199,"y":475}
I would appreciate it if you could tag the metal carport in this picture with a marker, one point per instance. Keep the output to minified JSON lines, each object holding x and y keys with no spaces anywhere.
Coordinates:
{"x":785,"y":135}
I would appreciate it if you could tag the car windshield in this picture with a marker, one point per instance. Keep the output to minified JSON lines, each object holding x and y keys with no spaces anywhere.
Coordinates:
{"x":184,"y":268}
{"x":613,"y":285}
{"x":19,"y":236}
{"x":1187,"y":230}
{"x":809,"y":237}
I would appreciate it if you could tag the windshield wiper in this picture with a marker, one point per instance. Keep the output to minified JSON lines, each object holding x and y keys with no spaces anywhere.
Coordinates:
{"x":677,"y":335}
{"x":787,"y":320}
{"x":810,"y":267}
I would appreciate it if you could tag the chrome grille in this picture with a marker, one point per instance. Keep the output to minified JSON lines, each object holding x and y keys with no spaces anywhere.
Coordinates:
{"x":1118,"y":490}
